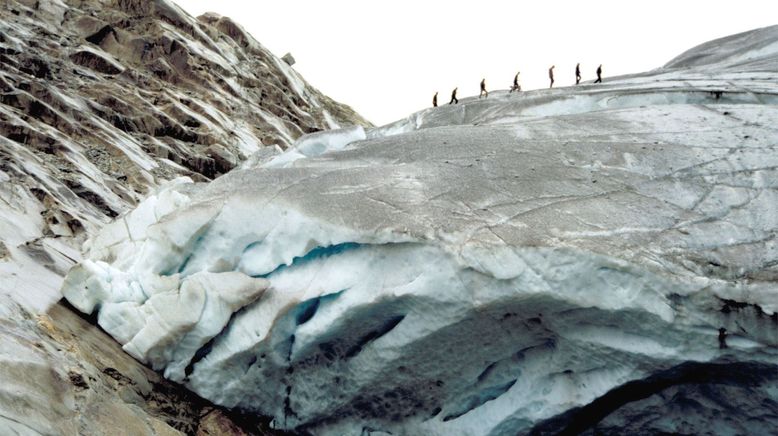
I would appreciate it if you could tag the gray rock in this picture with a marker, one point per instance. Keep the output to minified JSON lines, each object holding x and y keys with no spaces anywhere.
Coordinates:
{"x":289,"y":59}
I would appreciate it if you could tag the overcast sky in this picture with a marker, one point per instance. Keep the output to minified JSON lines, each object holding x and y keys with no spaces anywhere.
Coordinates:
{"x":387,"y":58}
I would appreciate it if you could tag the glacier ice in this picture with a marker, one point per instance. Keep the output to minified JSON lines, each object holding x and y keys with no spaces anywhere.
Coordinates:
{"x":478,"y":269}
{"x":316,"y":144}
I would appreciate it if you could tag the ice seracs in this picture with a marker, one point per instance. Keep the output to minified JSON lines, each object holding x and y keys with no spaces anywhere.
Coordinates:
{"x":479,"y":269}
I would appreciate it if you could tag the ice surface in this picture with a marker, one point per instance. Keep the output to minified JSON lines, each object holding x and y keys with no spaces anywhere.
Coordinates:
{"x":473,"y":269}
{"x":317,"y":144}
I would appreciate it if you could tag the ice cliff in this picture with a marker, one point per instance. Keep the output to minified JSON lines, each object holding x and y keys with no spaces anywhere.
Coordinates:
{"x":551,"y":261}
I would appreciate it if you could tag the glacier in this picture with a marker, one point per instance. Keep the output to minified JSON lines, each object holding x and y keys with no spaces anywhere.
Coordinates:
{"x":491,"y":268}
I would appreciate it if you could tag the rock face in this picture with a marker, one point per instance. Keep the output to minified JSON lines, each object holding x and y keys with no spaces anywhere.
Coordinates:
{"x":552,"y":261}
{"x":100,"y":103}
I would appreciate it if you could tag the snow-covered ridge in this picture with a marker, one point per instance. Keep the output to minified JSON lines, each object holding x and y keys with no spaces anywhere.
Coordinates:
{"x":732,"y":70}
{"x":749,"y":51}
{"x":483,"y":268}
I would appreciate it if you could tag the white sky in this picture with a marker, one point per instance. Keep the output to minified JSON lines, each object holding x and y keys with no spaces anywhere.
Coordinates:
{"x":387,"y":58}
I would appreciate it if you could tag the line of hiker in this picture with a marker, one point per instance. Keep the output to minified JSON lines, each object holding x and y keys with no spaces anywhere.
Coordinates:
{"x":516,"y":87}
{"x":577,"y":74}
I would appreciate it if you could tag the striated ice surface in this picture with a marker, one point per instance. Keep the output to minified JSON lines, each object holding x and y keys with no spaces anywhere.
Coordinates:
{"x":484,"y":268}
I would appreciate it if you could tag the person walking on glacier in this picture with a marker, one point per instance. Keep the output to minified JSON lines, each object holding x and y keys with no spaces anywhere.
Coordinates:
{"x":454,"y":99}
{"x":516,"y":87}
{"x":551,"y":76}
{"x":435,"y":100}
{"x":599,"y":74}
{"x":577,"y":73}
{"x":483,"y":89}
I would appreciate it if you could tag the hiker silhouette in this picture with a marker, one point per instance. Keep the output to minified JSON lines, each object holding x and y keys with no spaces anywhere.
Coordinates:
{"x":551,"y":76}
{"x":483,"y":89}
{"x":515,"y":86}
{"x":577,"y":73}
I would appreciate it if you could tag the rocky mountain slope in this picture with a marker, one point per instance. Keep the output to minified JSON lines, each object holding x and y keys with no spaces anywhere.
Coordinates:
{"x":555,"y":261}
{"x":102,"y":101}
